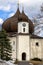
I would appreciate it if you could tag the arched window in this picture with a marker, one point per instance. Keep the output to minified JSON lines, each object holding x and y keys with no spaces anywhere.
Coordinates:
{"x":23,"y":29}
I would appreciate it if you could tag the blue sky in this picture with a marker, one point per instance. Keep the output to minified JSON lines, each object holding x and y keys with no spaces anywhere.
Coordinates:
{"x":9,"y":7}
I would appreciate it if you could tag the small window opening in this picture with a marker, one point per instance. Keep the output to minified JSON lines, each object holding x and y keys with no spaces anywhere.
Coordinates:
{"x":23,"y":29}
{"x":37,"y":44}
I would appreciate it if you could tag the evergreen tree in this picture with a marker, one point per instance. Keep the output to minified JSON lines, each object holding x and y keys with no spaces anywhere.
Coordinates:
{"x":5,"y":46}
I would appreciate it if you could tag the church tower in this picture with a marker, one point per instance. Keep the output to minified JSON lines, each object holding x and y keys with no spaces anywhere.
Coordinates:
{"x":23,"y":47}
{"x":18,"y":28}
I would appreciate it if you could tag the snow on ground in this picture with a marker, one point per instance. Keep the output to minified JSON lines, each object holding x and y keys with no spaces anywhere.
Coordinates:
{"x":6,"y":62}
{"x":9,"y":63}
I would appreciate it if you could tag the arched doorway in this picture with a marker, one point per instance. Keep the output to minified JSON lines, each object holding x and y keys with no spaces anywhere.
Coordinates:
{"x":23,"y":56}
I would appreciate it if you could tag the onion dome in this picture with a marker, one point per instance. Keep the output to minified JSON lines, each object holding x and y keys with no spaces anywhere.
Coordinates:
{"x":24,"y":17}
{"x":10,"y":25}
{"x":31,"y":26}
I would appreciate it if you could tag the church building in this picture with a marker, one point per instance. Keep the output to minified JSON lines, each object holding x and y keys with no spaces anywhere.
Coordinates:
{"x":20,"y":30}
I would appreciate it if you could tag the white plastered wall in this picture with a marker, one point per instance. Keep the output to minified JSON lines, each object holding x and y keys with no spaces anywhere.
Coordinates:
{"x":36,"y":51}
{"x":23,"y":46}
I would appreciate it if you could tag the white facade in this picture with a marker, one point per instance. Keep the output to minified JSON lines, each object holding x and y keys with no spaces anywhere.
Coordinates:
{"x":23,"y":41}
{"x":26,"y":44}
{"x":23,"y":25}
{"x":36,"y":50}
{"x":24,"y":47}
